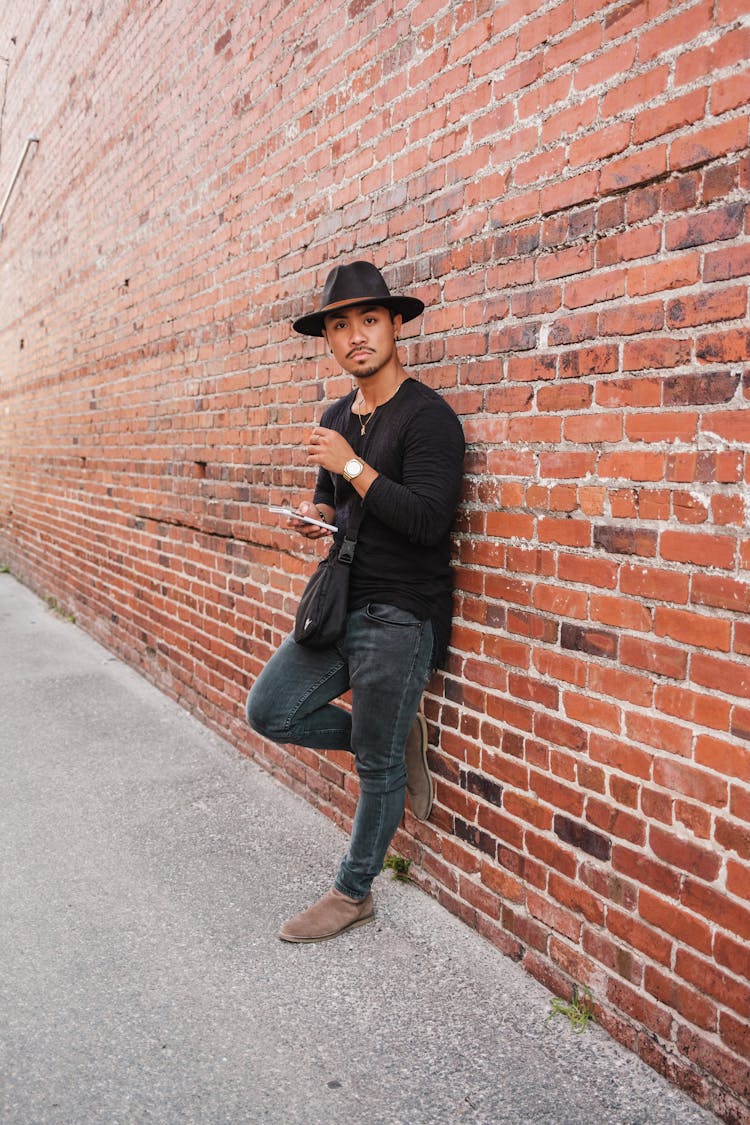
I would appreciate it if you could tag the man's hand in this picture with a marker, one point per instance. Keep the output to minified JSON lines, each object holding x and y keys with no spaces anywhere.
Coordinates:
{"x":309,"y":530}
{"x":329,"y":449}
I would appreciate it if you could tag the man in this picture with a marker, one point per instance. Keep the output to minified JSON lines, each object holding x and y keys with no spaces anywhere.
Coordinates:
{"x":398,"y":446}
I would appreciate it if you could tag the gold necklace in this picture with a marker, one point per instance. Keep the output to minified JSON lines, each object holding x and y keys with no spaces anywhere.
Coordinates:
{"x":363,"y":425}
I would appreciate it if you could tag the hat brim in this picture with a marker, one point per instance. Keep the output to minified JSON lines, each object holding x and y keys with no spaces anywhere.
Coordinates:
{"x":312,"y":325}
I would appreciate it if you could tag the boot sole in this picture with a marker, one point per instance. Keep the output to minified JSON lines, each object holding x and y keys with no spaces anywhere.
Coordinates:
{"x":326,"y":937}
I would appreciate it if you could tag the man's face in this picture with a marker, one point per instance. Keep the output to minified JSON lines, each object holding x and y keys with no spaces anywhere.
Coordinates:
{"x":362,"y":339}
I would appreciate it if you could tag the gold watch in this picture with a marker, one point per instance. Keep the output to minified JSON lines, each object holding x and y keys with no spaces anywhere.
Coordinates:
{"x":352,"y":468}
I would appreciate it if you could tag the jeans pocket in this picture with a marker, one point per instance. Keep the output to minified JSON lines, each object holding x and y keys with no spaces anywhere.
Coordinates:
{"x":391,"y":615}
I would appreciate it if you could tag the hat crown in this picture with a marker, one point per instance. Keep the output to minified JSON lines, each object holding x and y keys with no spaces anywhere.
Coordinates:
{"x":352,"y":281}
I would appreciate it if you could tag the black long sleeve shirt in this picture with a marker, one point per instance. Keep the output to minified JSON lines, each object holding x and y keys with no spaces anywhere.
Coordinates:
{"x":416,"y":444}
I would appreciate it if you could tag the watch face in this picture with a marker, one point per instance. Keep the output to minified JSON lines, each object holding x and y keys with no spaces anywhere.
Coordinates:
{"x":353,"y":468}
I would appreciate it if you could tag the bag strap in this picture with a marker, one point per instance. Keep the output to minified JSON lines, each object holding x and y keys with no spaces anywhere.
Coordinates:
{"x":349,"y":545}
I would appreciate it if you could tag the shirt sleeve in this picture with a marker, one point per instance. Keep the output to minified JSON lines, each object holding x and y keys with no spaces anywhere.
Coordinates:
{"x":423,"y":505}
{"x":324,"y":489}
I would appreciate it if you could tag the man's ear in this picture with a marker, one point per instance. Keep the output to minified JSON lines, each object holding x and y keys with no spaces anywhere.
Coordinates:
{"x":398,"y":321}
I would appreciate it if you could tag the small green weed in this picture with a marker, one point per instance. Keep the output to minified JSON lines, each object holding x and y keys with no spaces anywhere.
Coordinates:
{"x":55,"y":606}
{"x":4,"y":569}
{"x":579,"y":1011}
{"x":399,"y":866}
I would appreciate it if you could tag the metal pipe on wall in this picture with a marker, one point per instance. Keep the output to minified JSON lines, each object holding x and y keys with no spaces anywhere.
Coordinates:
{"x":32,"y":140}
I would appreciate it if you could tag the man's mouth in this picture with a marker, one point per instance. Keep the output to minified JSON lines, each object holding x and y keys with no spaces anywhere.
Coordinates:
{"x":360,"y":353}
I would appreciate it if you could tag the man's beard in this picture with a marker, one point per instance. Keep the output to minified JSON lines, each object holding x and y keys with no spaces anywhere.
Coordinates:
{"x":372,"y":369}
{"x":368,"y":371}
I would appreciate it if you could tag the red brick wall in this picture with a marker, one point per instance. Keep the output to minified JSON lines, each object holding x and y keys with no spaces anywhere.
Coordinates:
{"x":564,"y":183}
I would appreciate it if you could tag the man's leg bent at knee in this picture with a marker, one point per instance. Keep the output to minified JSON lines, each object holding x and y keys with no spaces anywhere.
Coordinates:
{"x":290,"y":702}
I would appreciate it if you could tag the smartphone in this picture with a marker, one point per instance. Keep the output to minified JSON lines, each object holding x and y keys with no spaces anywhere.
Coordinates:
{"x":296,"y":516}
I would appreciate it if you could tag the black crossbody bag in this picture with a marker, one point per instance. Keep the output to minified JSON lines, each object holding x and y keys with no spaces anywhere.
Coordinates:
{"x":321,"y":614}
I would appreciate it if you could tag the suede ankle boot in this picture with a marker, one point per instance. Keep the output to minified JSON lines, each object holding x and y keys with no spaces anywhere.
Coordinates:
{"x":331,"y":915}
{"x":418,"y":779}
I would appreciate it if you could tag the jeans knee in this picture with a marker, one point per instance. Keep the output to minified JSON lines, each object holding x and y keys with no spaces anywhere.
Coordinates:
{"x":259,"y":717}
{"x":381,"y":781}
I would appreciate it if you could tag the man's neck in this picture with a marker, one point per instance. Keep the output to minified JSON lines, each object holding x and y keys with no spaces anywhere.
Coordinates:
{"x":374,"y":390}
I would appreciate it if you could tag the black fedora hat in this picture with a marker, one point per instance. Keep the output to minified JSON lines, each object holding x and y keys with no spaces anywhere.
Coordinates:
{"x":359,"y":283}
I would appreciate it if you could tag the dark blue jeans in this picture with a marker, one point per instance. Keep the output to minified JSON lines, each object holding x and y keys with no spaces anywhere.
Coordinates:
{"x":385,"y":658}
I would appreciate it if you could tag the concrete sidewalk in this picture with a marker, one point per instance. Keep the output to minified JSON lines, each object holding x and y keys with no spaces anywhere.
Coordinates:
{"x":145,"y":866}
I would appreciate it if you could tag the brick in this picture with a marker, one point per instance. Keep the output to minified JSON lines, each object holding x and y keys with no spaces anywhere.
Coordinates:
{"x":659,"y":733}
{"x":632,"y":467}
{"x":699,"y":785}
{"x":733,"y":425}
{"x":684,"y":854}
{"x":693,"y":707}
{"x":592,"y":641}
{"x":671,"y":919}
{"x":728,"y":346}
{"x":724,"y":757}
{"x":646,"y":165}
{"x":633,"y":1004}
{"x":722,"y":52}
{"x":724,"y":304}
{"x":583,"y":362}
{"x":733,"y":837}
{"x":654,"y":353}
{"x":593,"y":428}
{"x":592,"y":712}
{"x":531,"y":933}
{"x":632,"y":319}
{"x":692,"y":628}
{"x":732,"y":954}
{"x":721,"y":675}
{"x":715,"y":225}
{"x":662,"y":427}
{"x":703,"y":550}
{"x":569,"y":120}
{"x":734,"y":1033}
{"x":646,"y":871}
{"x":564,"y":263}
{"x":730,"y":93}
{"x":673,"y":273}
{"x":619,"y":684}
{"x":715,"y":141}
{"x":684,"y":1000}
{"x":625,"y":540}
{"x":597,"y":146}
{"x":739,"y":725}
{"x":716,"y":907}
{"x":594,"y":572}
{"x":727,"y":263}
{"x":621,"y":612}
{"x":704,"y":389}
